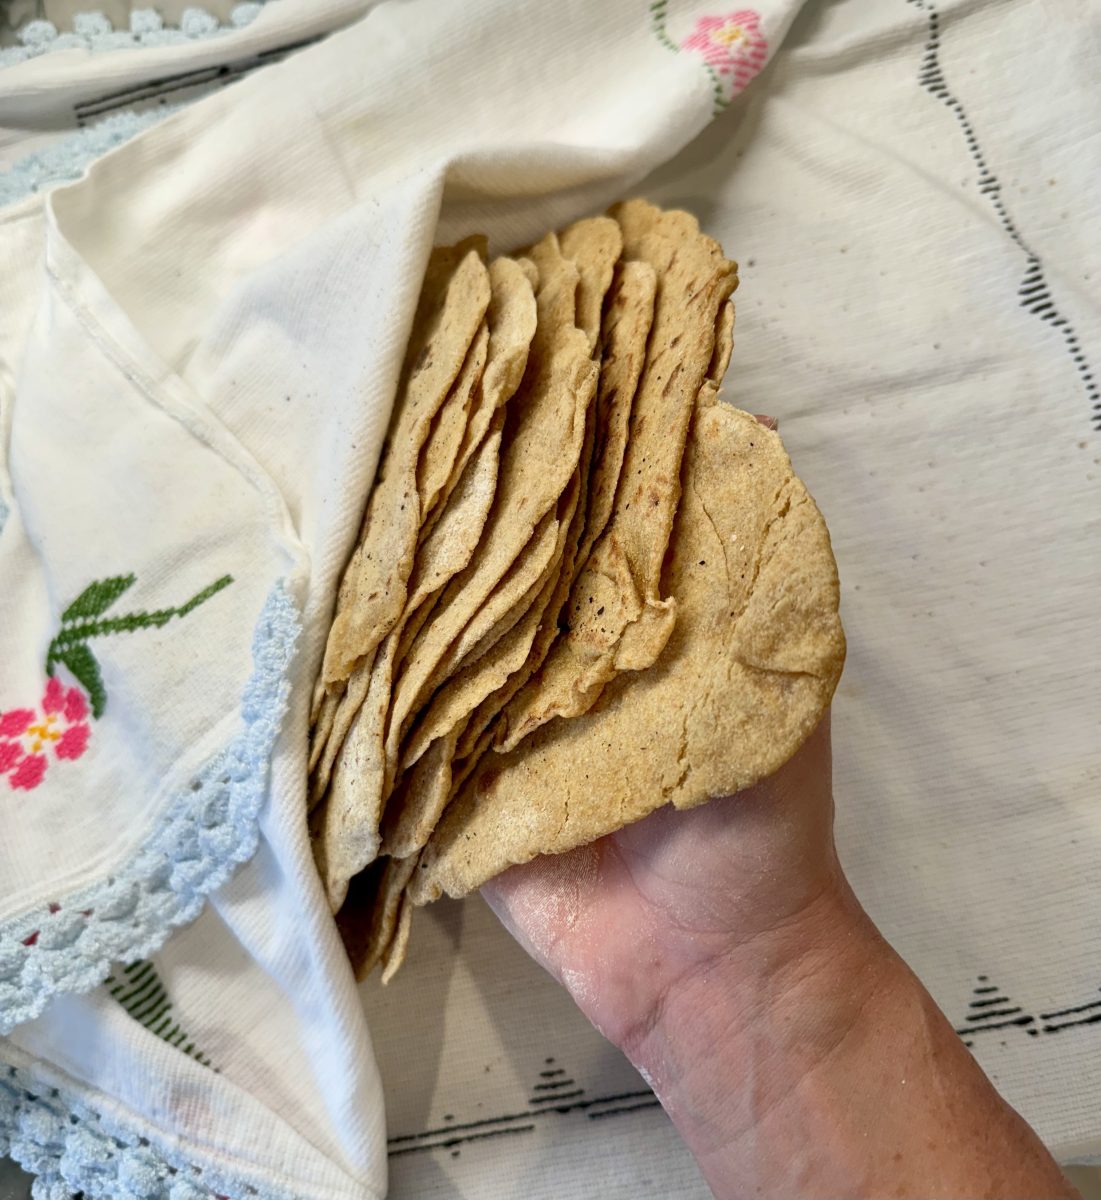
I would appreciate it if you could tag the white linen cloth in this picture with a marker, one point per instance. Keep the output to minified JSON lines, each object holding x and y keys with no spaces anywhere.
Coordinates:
{"x":916,"y":307}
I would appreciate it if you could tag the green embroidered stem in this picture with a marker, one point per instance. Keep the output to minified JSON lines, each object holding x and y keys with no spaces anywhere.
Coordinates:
{"x":658,"y":11}
{"x":657,"y":20}
{"x":97,"y":597}
{"x":142,"y":993}
{"x":717,"y":87}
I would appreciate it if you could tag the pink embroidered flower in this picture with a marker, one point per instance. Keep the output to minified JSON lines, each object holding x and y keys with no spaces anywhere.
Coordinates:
{"x":27,"y":735}
{"x":732,"y":45}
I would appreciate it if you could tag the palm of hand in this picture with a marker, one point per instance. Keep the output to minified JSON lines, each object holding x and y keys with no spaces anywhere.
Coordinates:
{"x":621,"y":921}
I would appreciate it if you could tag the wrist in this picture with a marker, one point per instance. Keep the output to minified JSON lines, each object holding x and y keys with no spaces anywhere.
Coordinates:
{"x":827,"y":947}
{"x":809,"y":1061}
{"x":730,"y":1042}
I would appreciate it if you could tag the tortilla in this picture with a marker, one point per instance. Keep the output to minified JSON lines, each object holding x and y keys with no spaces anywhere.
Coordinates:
{"x":695,"y":281}
{"x":491,"y":679}
{"x":546,"y":631}
{"x":464,"y":763}
{"x":446,"y":552}
{"x":544,"y":434}
{"x":420,"y":796}
{"x":507,"y":603}
{"x":441,"y":450}
{"x":395,"y":952}
{"x":594,"y":245}
{"x":749,"y":670}
{"x":617,"y":618}
{"x":510,"y":319}
{"x":355,"y":919}
{"x":485,"y":672}
{"x":332,"y":730}
{"x":353,"y":768}
{"x":450,"y":546}
{"x":453,"y":303}
{"x":724,"y":342}
{"x":627,"y":321}
{"x":322,"y":714}
{"x":368,"y":920}
{"x":344,"y":829}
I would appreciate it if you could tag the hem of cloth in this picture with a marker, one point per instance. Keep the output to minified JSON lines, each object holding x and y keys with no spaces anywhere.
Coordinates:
{"x":210,"y":828}
{"x":71,"y":1148}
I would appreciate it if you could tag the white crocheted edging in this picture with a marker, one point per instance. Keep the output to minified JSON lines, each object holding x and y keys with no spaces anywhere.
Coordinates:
{"x":72,"y":1149}
{"x":208,"y":831}
{"x":93,"y":31}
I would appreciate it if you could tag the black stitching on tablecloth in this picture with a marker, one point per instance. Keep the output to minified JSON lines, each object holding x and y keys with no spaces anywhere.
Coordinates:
{"x":1034,"y":293}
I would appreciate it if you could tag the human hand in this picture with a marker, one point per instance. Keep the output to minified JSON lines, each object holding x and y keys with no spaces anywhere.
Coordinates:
{"x":625,"y":922}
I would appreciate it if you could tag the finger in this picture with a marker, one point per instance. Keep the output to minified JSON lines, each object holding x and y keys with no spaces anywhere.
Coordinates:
{"x":767,"y":422}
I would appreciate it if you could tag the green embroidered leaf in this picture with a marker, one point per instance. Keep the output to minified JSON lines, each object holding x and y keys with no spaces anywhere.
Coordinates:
{"x":141,"y":991}
{"x":82,"y":662}
{"x":98,"y":597}
{"x":201,"y":597}
{"x":84,"y":630}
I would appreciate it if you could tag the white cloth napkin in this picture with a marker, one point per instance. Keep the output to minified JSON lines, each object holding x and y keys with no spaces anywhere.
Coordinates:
{"x":203,"y":342}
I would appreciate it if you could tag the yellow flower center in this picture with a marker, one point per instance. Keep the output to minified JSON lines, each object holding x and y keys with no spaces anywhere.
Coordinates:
{"x":43,"y":732}
{"x":730,"y":35}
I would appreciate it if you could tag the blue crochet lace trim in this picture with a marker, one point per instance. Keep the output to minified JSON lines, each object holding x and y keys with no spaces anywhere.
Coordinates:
{"x":210,"y":828}
{"x":93,"y":31}
{"x":58,"y":1137}
{"x":66,"y":159}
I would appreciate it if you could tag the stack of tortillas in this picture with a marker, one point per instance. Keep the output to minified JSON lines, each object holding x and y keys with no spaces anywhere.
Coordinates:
{"x":583,"y":587}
